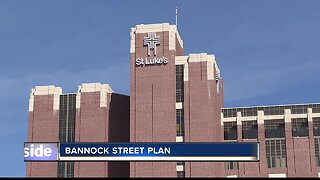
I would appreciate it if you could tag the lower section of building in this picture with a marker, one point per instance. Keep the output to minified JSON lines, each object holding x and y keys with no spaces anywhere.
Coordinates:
{"x":288,"y":136}
{"x":93,"y":114}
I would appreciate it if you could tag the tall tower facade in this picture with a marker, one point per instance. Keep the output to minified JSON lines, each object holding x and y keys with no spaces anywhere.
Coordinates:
{"x":43,"y":126}
{"x":174,"y":98}
{"x":201,"y":107}
{"x":153,"y":49}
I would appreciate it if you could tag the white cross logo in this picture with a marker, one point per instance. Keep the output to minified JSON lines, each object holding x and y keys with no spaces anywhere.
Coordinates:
{"x":152,"y":40}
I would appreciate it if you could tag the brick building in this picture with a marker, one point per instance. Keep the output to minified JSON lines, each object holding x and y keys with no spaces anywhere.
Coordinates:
{"x":93,"y":114}
{"x":288,"y":135}
{"x":173,"y":98}
{"x":178,"y":99}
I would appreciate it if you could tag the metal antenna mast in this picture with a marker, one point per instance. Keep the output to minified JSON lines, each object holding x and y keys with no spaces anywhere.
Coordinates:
{"x":177,"y":16}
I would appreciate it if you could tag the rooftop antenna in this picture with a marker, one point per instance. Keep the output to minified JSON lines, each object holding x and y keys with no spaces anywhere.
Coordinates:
{"x":176,"y":16}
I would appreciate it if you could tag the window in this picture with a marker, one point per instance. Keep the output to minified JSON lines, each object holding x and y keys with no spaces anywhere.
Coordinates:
{"x":275,"y":143}
{"x":316,"y":126}
{"x":181,"y":174}
{"x":217,"y":77}
{"x":249,"y":130}
{"x":230,"y":130}
{"x":65,"y":169}
{"x":67,"y":115}
{"x":273,"y":110}
{"x":300,"y":127}
{"x":270,"y":110}
{"x":316,"y":147}
{"x":276,"y":153}
{"x":229,"y":113}
{"x":316,"y":108}
{"x":180,"y":122}
{"x":231,"y":165}
{"x":248,"y":111}
{"x":274,"y":128}
{"x":299,"y":109}
{"x":179,"y":83}
{"x":180,"y":112}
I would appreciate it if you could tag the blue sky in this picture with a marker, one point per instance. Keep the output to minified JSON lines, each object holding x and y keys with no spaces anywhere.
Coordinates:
{"x":268,"y":51}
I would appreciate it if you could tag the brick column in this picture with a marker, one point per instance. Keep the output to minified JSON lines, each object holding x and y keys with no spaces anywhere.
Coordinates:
{"x":313,"y":165}
{"x":289,"y":143}
{"x":261,"y":139}
{"x":239,"y":135}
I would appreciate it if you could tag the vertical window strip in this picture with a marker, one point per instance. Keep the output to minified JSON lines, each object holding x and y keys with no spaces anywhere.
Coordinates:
{"x":316,"y":126}
{"x":181,"y":174}
{"x":316,"y":148}
{"x":231,"y":165}
{"x":67,"y":114}
{"x":180,"y":112}
{"x":180,"y":122}
{"x":179,"y":83}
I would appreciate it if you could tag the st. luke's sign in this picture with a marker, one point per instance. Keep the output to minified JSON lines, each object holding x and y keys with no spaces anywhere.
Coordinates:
{"x":151,"y":41}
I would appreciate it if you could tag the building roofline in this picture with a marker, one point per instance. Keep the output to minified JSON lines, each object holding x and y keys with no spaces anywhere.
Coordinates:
{"x":271,"y":105}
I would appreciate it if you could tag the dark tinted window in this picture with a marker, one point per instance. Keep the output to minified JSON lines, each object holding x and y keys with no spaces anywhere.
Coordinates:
{"x":274,"y":129}
{"x":181,"y":174}
{"x":230,"y":130}
{"x":180,"y":122}
{"x":300,"y":127}
{"x":67,"y":115}
{"x":316,"y":126}
{"x":229,"y":113}
{"x":179,"y":83}
{"x":249,"y":130}
{"x":231,"y":165}
{"x":316,"y":148}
